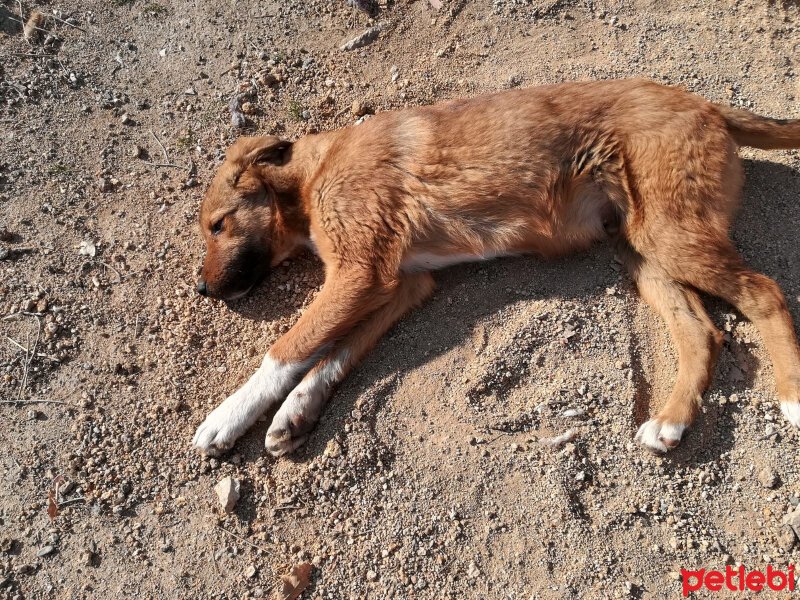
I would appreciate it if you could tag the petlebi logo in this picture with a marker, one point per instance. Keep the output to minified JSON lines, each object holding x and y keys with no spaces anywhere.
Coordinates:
{"x":738,"y":579}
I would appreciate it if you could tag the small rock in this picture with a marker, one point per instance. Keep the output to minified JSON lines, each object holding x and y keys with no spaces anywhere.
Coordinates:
{"x":46,"y":551}
{"x":361,"y":108}
{"x":572,"y":413}
{"x":768,"y":478}
{"x":250,"y":572}
{"x":249,"y":108}
{"x":267,"y":78}
{"x":473,"y":572}
{"x":786,"y":538}
{"x":104,"y":185}
{"x":793,"y":520}
{"x":365,"y":38}
{"x":126,"y":119}
{"x":87,"y":247}
{"x":228,"y":493}
{"x":333,"y":449}
{"x":372,"y":576}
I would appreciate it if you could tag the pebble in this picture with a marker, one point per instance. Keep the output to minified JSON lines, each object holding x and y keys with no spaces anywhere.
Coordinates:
{"x":228,"y":493}
{"x":573,"y":412}
{"x":45,"y":551}
{"x":768,"y":478}
{"x":364,"y":39}
{"x":361,"y":108}
{"x":333,"y":449}
{"x":793,"y":520}
{"x":786,"y":538}
{"x":251,"y":572}
{"x":473,"y":572}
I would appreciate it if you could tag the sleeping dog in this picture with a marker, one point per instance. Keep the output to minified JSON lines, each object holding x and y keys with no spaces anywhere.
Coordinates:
{"x":546,"y":170}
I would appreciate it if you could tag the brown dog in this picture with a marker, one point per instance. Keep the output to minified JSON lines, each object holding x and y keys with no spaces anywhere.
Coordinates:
{"x":546,"y":170}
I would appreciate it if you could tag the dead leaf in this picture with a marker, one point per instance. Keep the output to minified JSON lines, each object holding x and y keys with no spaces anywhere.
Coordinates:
{"x":52,"y":507}
{"x":294,"y":582}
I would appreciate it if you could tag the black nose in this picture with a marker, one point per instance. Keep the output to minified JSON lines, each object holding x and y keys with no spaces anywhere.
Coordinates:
{"x":202,"y":288}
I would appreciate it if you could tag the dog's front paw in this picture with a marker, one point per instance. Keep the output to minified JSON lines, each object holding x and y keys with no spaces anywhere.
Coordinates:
{"x":659,"y":436}
{"x":291,"y":424}
{"x":221,"y":429}
{"x":282,"y":441}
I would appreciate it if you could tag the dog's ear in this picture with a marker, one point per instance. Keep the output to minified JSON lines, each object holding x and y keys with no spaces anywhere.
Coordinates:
{"x":264,"y":151}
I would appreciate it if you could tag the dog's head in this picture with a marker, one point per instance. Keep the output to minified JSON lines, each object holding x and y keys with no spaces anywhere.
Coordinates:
{"x":239,"y":219}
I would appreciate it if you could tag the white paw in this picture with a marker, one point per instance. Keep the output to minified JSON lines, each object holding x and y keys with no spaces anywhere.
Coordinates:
{"x":234,"y":416}
{"x":282,"y":442}
{"x":223,"y":426}
{"x":659,"y":437}
{"x":290,"y":426}
{"x":301,"y":410}
{"x":791,"y":410}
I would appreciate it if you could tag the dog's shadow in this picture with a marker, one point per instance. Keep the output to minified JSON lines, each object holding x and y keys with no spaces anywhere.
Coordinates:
{"x":764,"y":232}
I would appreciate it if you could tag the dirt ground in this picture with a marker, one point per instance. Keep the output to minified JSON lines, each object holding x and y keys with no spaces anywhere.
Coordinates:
{"x":426,"y":477}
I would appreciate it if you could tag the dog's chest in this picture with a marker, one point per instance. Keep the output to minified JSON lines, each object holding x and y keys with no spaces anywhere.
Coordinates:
{"x":426,"y":261}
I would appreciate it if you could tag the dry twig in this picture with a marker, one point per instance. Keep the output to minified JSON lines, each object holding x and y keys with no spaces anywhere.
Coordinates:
{"x":241,"y":539}
{"x":164,"y":150}
{"x":67,"y":23}
{"x":29,"y":359}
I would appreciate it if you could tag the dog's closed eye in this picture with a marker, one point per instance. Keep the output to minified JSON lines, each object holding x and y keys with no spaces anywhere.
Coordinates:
{"x":216,"y":228}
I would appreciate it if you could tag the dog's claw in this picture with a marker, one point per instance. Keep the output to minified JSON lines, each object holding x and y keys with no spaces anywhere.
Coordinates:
{"x":281,"y":442}
{"x":659,"y":437}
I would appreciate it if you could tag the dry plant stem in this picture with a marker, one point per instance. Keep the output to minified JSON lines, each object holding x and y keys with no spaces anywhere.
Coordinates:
{"x":241,"y":539}
{"x":119,"y":275}
{"x":67,"y":23}
{"x":29,"y":359}
{"x":163,"y":149}
{"x":34,"y":401}
{"x":166,"y":165}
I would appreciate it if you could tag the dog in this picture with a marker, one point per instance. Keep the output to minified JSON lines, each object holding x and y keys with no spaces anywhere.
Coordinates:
{"x":545,"y":170}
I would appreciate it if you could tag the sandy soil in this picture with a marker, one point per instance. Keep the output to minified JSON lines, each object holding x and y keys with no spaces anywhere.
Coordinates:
{"x":426,"y":477}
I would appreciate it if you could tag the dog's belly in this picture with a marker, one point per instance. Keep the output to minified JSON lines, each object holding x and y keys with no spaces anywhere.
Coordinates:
{"x":426,"y":261}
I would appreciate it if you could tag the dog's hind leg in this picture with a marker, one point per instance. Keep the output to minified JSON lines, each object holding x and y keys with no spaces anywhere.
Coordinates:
{"x":698,"y":343}
{"x":302,"y":408}
{"x":720,"y":271}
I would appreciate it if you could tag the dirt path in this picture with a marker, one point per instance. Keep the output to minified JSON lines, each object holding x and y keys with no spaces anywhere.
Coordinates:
{"x":426,"y":477}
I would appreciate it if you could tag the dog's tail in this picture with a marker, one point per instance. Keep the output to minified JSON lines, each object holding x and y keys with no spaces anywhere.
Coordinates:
{"x":749,"y":129}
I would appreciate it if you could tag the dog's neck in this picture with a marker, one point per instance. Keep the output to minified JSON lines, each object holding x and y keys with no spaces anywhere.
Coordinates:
{"x":292,"y":196}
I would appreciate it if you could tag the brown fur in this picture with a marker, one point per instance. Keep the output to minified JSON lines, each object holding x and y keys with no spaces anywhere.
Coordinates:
{"x":547,"y":170}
